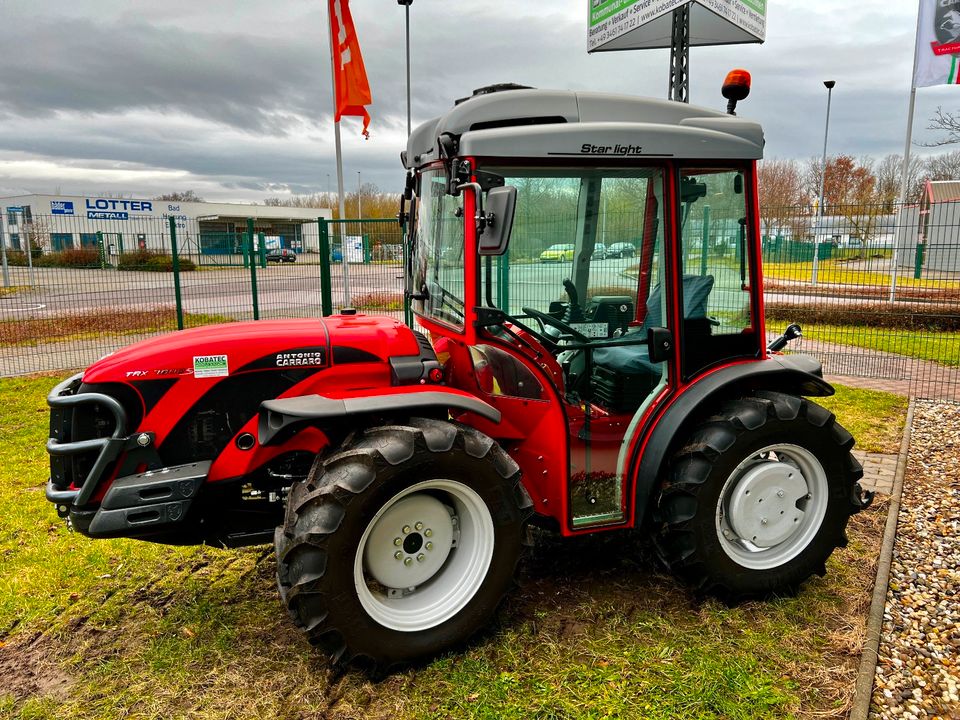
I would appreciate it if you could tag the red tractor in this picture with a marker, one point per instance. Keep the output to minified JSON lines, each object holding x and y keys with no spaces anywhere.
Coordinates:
{"x":396,"y":470}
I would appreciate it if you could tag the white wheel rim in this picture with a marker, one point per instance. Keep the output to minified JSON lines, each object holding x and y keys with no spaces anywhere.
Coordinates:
{"x":446,"y":578}
{"x":772,"y":506}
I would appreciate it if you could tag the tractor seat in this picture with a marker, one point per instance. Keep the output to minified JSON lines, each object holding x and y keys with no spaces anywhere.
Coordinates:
{"x":635,"y":359}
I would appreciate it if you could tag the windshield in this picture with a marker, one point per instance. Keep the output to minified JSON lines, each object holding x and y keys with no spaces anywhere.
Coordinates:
{"x":586,"y":225}
{"x":437,"y":258}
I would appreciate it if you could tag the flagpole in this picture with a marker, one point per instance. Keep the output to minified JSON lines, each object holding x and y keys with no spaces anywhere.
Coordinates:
{"x":336,"y":136}
{"x":905,"y":169}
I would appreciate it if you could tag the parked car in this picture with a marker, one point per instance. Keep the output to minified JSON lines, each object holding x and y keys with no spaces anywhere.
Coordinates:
{"x":557,"y":253}
{"x":621,"y":250}
{"x":281,"y":255}
{"x":599,"y":252}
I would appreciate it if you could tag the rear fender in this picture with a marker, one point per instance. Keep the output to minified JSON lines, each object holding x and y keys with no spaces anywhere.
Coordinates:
{"x":793,"y":374}
{"x":278,"y":417}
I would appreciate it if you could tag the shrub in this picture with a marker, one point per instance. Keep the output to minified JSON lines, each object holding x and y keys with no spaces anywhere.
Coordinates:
{"x":378,"y":301}
{"x":78,"y":257}
{"x":899,"y":316}
{"x":150,"y":261}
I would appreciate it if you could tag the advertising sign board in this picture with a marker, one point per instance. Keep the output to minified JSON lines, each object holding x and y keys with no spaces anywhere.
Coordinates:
{"x":641,"y":24}
{"x":353,"y":245}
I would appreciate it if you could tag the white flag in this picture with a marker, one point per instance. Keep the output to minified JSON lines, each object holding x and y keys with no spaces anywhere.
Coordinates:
{"x":938,"y":44}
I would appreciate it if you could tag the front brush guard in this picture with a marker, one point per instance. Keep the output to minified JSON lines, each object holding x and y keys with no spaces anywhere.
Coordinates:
{"x":65,"y":397}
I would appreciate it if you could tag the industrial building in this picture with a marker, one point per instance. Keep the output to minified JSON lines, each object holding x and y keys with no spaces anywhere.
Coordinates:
{"x":61,"y":222}
{"x":927,"y":237}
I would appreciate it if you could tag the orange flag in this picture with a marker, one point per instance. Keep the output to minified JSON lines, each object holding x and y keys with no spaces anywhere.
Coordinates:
{"x":352,"y":89}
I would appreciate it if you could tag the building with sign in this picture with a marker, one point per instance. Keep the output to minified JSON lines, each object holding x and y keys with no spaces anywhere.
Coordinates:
{"x":61,"y":222}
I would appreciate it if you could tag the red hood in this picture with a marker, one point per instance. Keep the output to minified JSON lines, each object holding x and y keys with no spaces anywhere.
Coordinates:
{"x":256,"y":345}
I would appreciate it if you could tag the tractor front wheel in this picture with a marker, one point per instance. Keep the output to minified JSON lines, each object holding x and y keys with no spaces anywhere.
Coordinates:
{"x":402,"y":544}
{"x":758,"y":497}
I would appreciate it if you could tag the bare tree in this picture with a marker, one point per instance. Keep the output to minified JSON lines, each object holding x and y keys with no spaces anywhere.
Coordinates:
{"x":943,"y":167}
{"x":373,"y":202}
{"x":945,"y":122}
{"x":183,"y":196}
{"x":780,"y":193}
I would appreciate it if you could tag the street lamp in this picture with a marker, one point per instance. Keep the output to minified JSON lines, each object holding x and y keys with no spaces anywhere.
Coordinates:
{"x":828,"y":84}
{"x":406,"y":6}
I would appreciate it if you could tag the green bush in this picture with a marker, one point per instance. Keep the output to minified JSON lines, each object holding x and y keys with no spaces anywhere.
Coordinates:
{"x":150,"y":261}
{"x":899,"y":316}
{"x":78,"y":257}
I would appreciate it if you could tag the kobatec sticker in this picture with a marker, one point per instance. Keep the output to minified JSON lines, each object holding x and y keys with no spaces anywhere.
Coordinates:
{"x":210,"y":366}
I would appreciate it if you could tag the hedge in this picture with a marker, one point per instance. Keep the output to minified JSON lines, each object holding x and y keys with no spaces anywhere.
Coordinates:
{"x":898,"y":316}
{"x":150,"y":261}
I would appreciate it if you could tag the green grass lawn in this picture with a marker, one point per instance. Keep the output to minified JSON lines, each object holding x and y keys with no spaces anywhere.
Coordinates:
{"x":938,"y":346}
{"x":840,"y":273}
{"x":125,"y":629}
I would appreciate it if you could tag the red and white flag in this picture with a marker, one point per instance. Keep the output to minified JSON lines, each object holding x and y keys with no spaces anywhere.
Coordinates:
{"x":938,"y":44}
{"x":352,"y":91}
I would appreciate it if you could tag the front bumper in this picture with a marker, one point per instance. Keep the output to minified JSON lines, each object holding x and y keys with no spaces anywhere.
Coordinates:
{"x":65,"y":488}
{"x":135,"y":504}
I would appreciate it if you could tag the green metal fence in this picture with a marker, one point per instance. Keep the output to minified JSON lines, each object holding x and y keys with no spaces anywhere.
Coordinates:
{"x":80,"y":295}
{"x":878,"y":304}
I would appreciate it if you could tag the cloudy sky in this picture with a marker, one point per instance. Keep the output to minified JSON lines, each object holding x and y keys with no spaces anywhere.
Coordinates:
{"x":231,"y":98}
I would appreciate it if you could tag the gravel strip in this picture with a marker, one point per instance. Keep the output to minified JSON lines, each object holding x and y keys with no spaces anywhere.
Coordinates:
{"x":918,"y":674}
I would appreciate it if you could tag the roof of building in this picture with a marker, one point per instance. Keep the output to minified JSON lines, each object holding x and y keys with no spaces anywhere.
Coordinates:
{"x":943,"y":190}
{"x":525,"y":123}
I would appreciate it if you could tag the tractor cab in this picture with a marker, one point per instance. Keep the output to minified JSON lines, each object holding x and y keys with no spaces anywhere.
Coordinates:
{"x":579,"y":260}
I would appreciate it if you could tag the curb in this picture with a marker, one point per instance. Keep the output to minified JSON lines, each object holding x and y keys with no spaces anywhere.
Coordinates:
{"x":863,"y":691}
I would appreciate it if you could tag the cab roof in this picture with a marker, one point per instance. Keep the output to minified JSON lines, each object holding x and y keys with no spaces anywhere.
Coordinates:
{"x":528,"y":123}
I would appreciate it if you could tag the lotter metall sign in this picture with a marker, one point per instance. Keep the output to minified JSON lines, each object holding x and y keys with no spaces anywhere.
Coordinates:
{"x":640,"y":24}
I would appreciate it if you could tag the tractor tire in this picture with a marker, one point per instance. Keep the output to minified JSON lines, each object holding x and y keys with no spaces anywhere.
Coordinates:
{"x":758,"y":497}
{"x":403,"y":544}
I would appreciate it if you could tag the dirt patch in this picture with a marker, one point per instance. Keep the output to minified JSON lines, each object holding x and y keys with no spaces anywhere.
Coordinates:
{"x":28,"y":668}
{"x":45,"y":329}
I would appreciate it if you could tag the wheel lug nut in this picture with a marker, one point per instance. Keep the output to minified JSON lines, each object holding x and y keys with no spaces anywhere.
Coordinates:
{"x":421,"y":557}
{"x":763,"y":521}
{"x":398,"y":542}
{"x":429,"y":546}
{"x":408,"y":561}
{"x":428,"y":532}
{"x":406,"y":529}
{"x":398,"y":554}
{"x":780,"y":493}
{"x":419,"y":526}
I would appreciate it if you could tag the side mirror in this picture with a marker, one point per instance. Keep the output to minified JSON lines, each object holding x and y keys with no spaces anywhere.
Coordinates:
{"x":497,"y":222}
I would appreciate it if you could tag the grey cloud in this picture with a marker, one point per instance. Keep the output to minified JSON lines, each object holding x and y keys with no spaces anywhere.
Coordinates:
{"x":262,"y":69}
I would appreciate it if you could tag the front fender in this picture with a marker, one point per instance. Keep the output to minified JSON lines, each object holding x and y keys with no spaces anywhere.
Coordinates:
{"x":278,"y":415}
{"x":796,"y":374}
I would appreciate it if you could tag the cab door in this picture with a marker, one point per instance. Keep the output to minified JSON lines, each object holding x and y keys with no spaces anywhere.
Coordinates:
{"x":623,"y":385}
{"x":717,"y":267}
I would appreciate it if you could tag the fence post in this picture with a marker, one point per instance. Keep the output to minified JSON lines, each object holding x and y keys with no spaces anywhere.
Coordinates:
{"x":261,"y":251}
{"x":176,"y":272}
{"x":326,"y":294}
{"x":503,"y":291}
{"x":100,"y":250}
{"x":705,"y":240}
{"x":918,"y":262}
{"x":253,"y":269}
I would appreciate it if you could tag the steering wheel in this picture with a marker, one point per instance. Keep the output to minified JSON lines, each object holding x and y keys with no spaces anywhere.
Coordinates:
{"x":544,"y":319}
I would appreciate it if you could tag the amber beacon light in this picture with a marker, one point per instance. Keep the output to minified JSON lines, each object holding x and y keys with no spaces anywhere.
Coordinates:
{"x":736,"y":87}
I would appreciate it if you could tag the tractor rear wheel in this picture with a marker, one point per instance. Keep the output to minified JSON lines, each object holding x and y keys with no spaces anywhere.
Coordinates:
{"x":758,"y":497}
{"x":402,"y":544}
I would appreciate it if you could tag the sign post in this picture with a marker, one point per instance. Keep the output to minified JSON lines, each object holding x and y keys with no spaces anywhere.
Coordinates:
{"x":676,"y":24}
